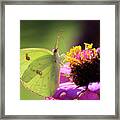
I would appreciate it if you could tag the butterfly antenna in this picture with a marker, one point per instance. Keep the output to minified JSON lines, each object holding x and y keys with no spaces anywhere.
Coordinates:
{"x":58,"y":38}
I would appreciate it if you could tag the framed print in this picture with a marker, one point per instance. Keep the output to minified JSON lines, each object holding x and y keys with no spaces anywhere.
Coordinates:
{"x":59,"y":59}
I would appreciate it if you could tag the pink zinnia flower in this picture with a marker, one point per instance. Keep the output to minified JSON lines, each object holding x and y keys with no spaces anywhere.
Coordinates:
{"x":68,"y":90}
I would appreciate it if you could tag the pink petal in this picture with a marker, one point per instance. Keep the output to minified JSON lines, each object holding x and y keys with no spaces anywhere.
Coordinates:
{"x":88,"y":95}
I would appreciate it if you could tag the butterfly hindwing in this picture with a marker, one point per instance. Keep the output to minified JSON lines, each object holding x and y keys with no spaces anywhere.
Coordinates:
{"x":39,"y":71}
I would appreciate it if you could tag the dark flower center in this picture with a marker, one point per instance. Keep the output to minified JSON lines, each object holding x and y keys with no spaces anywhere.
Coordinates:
{"x":85,"y":64}
{"x":86,"y":73}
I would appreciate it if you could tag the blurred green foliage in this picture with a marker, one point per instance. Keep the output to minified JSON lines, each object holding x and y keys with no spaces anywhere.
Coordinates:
{"x":43,"y":33}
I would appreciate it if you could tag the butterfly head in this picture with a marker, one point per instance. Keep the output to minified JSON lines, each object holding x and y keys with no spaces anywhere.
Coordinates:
{"x":55,"y":50}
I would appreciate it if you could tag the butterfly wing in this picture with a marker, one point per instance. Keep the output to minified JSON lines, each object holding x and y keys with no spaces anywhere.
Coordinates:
{"x":28,"y":55}
{"x":38,"y":71}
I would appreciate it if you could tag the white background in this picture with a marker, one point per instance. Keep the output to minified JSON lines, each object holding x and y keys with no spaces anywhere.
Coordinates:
{"x":15,"y":13}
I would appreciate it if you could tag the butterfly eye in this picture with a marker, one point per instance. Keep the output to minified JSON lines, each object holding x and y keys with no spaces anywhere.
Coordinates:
{"x":27,"y":57}
{"x":55,"y":50}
